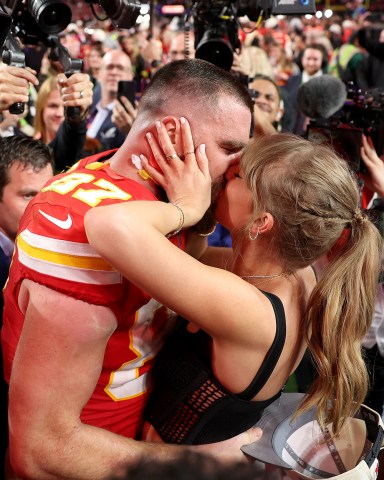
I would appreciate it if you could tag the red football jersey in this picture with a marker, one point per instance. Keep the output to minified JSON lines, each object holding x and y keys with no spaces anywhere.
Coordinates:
{"x":52,"y":249}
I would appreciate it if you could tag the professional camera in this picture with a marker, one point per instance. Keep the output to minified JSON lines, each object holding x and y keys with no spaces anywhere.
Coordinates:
{"x":35,"y":21}
{"x":216,"y":24}
{"x":362,"y":113}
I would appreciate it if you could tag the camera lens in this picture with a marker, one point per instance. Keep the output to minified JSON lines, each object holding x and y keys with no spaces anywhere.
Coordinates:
{"x":123,"y":13}
{"x":52,"y":16}
{"x":215,"y":49}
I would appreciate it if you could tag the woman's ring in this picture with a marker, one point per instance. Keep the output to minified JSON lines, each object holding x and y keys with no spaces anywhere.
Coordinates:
{"x":170,"y":157}
{"x":81,"y":94}
{"x":189,"y":153}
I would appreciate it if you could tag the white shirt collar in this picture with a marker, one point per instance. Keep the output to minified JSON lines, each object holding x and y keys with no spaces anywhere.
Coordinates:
{"x":305,"y":77}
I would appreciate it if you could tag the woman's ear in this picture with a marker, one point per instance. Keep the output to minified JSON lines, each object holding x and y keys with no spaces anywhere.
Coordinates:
{"x":263,"y":223}
{"x":172,"y":125}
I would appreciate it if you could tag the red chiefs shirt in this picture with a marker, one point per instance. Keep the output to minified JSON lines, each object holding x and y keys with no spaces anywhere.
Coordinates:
{"x":52,"y":249}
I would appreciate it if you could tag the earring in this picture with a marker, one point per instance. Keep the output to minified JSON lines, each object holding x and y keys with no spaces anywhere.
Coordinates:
{"x":252,"y":237}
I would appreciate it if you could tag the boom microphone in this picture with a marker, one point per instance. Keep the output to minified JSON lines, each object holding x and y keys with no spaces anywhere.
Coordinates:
{"x":321,"y":97}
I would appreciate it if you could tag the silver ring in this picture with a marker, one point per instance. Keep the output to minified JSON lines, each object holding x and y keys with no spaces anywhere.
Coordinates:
{"x":170,"y":157}
{"x":189,"y":153}
{"x":81,"y":94}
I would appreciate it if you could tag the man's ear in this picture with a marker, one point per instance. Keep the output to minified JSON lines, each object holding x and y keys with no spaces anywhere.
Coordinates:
{"x":172,"y":125}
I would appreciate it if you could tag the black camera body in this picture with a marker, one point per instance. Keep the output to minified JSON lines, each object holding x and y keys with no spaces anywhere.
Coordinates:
{"x":39,"y":21}
{"x":216,"y":24}
{"x":362,"y":113}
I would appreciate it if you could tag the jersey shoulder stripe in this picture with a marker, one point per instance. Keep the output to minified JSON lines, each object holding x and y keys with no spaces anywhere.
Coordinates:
{"x":61,"y":259}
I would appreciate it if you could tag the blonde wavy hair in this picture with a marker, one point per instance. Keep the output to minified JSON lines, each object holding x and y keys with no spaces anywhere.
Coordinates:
{"x":314,"y":199}
{"x":47,"y":87}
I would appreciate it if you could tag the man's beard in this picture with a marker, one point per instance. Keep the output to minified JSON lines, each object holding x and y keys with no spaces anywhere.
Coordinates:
{"x":207,"y":224}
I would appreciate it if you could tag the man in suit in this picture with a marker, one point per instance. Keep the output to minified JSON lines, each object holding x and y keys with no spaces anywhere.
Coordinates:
{"x":313,"y":61}
{"x":25,"y":166}
{"x":116,"y":66}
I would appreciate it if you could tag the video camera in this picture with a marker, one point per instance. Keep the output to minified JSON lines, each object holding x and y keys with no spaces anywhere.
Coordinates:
{"x":39,"y":21}
{"x":362,"y":113}
{"x":216,"y":24}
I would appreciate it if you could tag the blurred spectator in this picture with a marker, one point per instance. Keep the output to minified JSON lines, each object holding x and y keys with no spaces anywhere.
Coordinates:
{"x":25,"y":166}
{"x":152,"y":53}
{"x":48,"y":67}
{"x":282,"y":66}
{"x":298,"y":46}
{"x":373,"y":344}
{"x":335,"y":32}
{"x":131,"y":46}
{"x":346,"y":62}
{"x":70,"y":39}
{"x":181,"y":46}
{"x":252,"y":61}
{"x":94,"y":61}
{"x":49,"y":110}
{"x":269,"y":107}
{"x":116,"y":66}
{"x":371,"y":37}
{"x":358,"y":8}
{"x":66,"y":135}
{"x":314,"y":61}
{"x":9,"y":125}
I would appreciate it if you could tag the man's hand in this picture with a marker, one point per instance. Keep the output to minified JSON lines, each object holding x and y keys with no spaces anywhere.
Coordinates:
{"x":123,"y":116}
{"x":76,"y":91}
{"x":14,"y":85}
{"x":229,"y":450}
{"x":237,"y":66}
{"x":374,"y":180}
{"x":262,"y":126}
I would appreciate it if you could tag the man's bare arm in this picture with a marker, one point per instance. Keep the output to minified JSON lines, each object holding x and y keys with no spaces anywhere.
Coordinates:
{"x":56,"y":367}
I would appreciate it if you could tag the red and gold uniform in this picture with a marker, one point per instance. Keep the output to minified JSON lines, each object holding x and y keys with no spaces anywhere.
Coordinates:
{"x":52,"y":249}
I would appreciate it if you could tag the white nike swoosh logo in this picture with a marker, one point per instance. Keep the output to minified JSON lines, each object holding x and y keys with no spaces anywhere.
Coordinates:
{"x":64,"y":224}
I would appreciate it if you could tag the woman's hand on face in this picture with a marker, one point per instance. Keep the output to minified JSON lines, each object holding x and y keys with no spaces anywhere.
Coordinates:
{"x":183,"y":175}
{"x":374,"y":179}
{"x":76,"y":91}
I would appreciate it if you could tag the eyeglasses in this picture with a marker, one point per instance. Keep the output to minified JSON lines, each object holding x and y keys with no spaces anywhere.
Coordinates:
{"x":120,"y":68}
{"x":269,"y":97}
{"x":174,"y":53}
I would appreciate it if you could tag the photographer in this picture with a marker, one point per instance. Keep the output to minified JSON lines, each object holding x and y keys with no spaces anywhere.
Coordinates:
{"x":75,"y":91}
{"x":374,"y":179}
{"x":369,"y":39}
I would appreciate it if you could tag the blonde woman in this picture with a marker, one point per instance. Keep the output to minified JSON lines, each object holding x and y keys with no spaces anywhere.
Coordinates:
{"x":249,"y":321}
{"x":64,"y":134}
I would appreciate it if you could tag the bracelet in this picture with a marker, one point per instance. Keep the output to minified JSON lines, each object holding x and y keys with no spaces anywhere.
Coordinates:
{"x":181,"y":223}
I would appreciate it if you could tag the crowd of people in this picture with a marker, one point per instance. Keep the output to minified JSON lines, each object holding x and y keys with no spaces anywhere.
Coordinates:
{"x":127,"y":326}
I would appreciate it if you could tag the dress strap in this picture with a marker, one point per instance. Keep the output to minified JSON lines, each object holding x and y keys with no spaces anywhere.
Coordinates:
{"x":274,"y":352}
